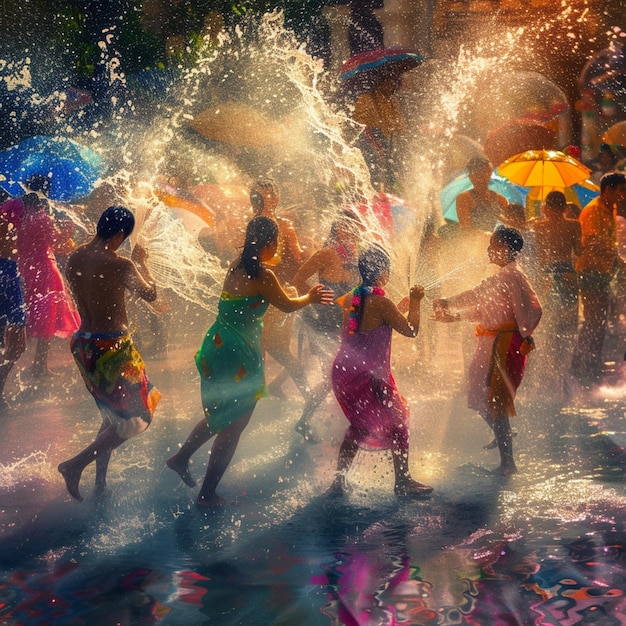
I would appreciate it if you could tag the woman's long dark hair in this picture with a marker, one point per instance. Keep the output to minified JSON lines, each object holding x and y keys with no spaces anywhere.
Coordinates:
{"x":260,"y":232}
{"x":373,"y":262}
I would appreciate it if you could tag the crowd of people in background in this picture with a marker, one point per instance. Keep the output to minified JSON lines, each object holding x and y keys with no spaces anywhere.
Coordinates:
{"x":563,"y":269}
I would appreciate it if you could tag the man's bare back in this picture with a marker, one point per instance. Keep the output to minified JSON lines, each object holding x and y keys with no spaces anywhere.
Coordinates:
{"x":557,"y":240}
{"x":99,"y":277}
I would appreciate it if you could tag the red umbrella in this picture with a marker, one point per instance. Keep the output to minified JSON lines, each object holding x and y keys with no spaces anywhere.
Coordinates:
{"x":505,"y":141}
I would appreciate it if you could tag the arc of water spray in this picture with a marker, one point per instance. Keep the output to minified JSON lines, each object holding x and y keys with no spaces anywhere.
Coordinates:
{"x":447,"y":275}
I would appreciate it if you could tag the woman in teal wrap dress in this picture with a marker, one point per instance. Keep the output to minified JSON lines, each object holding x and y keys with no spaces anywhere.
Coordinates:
{"x":230,"y":360}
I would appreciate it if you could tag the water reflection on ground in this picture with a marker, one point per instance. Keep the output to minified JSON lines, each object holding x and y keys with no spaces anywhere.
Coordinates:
{"x":544,"y":547}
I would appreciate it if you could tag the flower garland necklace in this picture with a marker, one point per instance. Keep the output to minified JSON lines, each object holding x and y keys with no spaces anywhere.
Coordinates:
{"x":358,"y":294}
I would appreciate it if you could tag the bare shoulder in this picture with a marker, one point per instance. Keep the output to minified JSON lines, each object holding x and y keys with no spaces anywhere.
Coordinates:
{"x":501,"y":199}
{"x":267,"y":276}
{"x":285,"y":224}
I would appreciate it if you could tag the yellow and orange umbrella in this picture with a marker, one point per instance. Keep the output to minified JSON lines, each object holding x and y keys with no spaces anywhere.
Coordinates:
{"x":544,"y":168}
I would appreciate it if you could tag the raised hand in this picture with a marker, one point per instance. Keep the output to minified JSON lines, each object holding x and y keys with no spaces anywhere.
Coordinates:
{"x":321,"y":295}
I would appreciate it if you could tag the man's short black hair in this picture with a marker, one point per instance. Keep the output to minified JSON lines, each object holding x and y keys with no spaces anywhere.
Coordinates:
{"x":612,"y":180}
{"x":114,"y":220}
{"x":509,"y":237}
{"x":556,"y":200}
{"x":477,"y":163}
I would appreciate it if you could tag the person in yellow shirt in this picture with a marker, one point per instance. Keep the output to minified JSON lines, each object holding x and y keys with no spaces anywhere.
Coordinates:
{"x":596,"y":267}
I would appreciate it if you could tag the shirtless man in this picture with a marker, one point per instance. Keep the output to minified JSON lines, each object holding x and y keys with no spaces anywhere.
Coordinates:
{"x":111,"y":367}
{"x":557,"y":242}
{"x":479,"y":208}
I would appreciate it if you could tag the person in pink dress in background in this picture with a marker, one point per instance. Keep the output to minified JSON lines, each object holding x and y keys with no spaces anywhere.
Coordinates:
{"x":50,"y":311}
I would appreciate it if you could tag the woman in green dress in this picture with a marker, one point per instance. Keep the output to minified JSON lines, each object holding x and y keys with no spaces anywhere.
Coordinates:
{"x":230,"y":360}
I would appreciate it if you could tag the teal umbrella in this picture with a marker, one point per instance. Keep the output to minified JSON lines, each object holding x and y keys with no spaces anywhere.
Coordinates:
{"x":447,"y":196}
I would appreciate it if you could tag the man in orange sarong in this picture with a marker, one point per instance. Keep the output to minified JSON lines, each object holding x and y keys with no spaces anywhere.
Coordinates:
{"x":507,"y":311}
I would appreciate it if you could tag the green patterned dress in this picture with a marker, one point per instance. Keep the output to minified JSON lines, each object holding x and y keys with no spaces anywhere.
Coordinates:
{"x":230,"y":362}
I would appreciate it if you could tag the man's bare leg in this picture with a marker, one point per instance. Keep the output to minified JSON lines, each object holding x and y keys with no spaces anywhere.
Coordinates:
{"x":179,"y":462}
{"x":502,"y":429}
{"x":102,"y":463}
{"x":222,"y":454}
{"x":71,"y":470}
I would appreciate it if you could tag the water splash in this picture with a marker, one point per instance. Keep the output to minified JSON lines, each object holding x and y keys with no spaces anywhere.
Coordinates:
{"x":24,"y":470}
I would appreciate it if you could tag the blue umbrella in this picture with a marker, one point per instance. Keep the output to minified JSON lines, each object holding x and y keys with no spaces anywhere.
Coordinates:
{"x":580,"y":194}
{"x":447,"y":196}
{"x":72,"y":169}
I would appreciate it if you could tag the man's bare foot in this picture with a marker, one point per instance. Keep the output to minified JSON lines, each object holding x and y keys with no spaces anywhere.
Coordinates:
{"x":211,"y":502}
{"x":72,"y":479}
{"x":412,"y":488}
{"x":507,"y":470}
{"x":182,"y":471}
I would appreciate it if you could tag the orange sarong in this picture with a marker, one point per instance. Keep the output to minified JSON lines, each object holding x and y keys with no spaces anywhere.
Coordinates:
{"x":509,"y":355}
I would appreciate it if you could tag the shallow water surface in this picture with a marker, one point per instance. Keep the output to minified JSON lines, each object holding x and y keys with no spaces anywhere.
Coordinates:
{"x":543,"y":547}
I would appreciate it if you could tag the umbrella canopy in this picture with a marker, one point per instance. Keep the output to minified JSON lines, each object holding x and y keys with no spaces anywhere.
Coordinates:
{"x":515,"y":137}
{"x":616,"y":134}
{"x":500,"y":97}
{"x":71,"y":168}
{"x":447,"y":196}
{"x":238,"y":124}
{"x":544,"y":168}
{"x":365,"y":71}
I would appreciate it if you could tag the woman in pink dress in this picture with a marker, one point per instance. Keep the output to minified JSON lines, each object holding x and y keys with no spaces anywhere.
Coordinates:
{"x":362,"y":378}
{"x":49,"y":309}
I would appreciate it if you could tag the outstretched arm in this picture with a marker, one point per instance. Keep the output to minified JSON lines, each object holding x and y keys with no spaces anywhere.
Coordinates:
{"x":274,"y":293}
{"x":409,"y":325}
{"x":311,"y":266}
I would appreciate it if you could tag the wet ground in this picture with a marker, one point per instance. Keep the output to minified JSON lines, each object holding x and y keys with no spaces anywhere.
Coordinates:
{"x":543,"y":547}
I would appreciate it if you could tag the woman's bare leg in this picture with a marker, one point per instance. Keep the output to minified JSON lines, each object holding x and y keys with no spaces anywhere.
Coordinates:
{"x":179,"y":462}
{"x":347,"y":453}
{"x":222,"y":454}
{"x":404,"y":483}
